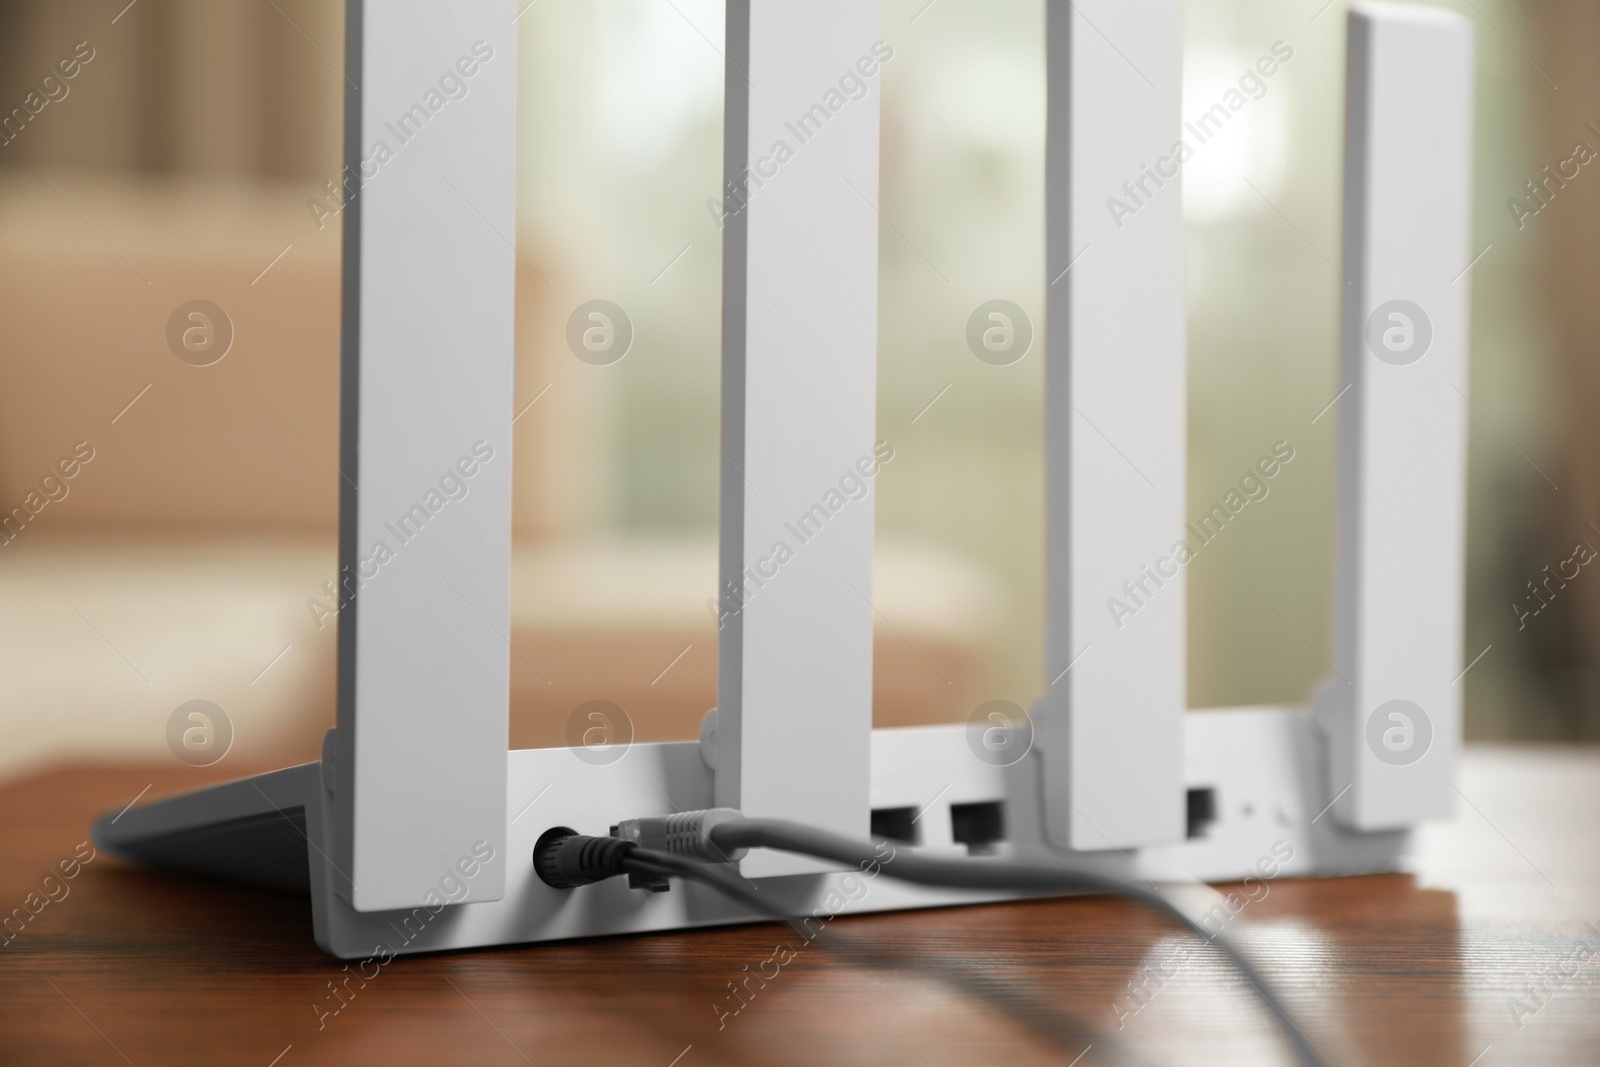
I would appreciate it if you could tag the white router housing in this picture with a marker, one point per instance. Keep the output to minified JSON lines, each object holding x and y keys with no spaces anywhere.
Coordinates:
{"x":415,"y":832}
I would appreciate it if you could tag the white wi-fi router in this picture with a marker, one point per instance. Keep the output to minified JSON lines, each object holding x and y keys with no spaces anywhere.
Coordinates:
{"x":415,"y":831}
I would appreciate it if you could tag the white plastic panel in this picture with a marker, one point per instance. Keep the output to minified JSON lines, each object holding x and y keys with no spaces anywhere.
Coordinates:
{"x":1393,"y":715}
{"x":419,"y":764}
{"x":1115,"y":411}
{"x":800,"y":285}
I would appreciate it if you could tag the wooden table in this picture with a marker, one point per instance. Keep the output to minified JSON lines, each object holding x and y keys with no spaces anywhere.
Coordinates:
{"x":1476,"y":960}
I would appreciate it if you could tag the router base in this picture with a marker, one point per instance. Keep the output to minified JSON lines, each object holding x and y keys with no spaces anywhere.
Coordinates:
{"x":1263,"y":766}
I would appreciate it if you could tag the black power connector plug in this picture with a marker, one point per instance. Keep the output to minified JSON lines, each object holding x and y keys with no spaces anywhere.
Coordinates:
{"x":566,"y":859}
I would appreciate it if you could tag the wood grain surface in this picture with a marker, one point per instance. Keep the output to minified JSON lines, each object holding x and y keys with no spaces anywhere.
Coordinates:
{"x":1482,"y":957}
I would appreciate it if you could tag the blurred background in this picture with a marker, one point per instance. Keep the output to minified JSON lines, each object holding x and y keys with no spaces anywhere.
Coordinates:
{"x":189,"y":157}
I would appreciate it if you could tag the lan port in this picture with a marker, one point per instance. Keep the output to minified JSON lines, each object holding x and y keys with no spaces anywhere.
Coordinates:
{"x":895,"y":824}
{"x":1201,"y":811}
{"x":979,"y":826}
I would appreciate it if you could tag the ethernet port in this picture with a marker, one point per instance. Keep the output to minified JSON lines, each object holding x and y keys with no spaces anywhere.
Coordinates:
{"x":896,"y":824}
{"x":1201,"y":811}
{"x":979,"y":826}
